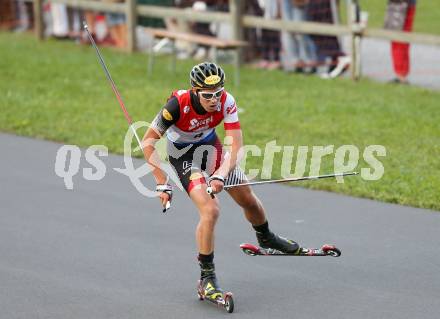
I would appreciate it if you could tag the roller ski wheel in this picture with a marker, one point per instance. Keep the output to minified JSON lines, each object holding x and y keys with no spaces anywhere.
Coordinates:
{"x":331,"y":250}
{"x":325,"y":250}
{"x":225,"y":301}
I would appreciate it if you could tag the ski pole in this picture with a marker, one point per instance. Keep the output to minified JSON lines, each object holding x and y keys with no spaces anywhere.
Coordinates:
{"x":285,"y":180}
{"x":118,"y":95}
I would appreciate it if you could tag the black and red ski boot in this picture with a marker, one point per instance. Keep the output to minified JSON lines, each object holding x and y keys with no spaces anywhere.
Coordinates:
{"x":273,"y":241}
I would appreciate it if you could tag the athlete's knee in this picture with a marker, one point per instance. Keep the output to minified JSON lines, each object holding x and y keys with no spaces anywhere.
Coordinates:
{"x":210,"y":213}
{"x":253,"y":204}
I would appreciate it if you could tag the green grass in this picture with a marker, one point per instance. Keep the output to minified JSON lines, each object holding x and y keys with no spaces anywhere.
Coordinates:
{"x":57,"y":91}
{"x":427,"y":18}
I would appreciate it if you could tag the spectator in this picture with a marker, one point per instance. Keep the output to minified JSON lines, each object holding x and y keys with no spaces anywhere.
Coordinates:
{"x":328,"y":47}
{"x":75,"y":25}
{"x":251,"y":36}
{"x":89,"y":16}
{"x":60,"y":21}
{"x":63,"y":22}
{"x":117,"y":26}
{"x":202,"y":52}
{"x":155,"y":22}
{"x":7,"y":14}
{"x":24,"y":15}
{"x":300,"y":51}
{"x":97,"y":24}
{"x":222,"y":5}
{"x":173,"y":24}
{"x":400,"y":17}
{"x":270,"y":39}
{"x":202,"y":28}
{"x":209,"y":29}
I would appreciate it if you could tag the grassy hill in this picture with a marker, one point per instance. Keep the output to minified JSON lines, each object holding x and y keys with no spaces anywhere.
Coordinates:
{"x":57,"y":91}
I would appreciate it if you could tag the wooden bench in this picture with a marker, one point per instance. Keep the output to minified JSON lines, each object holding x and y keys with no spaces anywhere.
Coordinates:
{"x":213,"y":42}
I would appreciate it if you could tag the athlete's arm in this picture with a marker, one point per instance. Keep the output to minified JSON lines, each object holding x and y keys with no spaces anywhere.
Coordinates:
{"x":149,"y":148}
{"x":234,"y":138}
{"x":234,"y":134}
{"x":167,"y":116}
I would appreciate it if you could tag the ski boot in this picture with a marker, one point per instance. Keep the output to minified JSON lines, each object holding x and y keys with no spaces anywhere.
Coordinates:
{"x":272,"y":241}
{"x":208,"y":289}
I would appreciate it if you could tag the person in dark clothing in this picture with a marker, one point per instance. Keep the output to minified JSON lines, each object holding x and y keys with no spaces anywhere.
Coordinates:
{"x":252,"y":7}
{"x":327,"y":46}
{"x":270,"y":39}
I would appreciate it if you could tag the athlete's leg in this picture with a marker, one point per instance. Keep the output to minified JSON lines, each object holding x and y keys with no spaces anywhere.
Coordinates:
{"x":208,"y":209}
{"x":254,"y":212}
{"x":252,"y":207}
{"x":194,"y":183}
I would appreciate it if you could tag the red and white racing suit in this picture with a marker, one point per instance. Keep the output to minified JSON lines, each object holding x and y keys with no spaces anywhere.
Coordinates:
{"x":193,"y":146}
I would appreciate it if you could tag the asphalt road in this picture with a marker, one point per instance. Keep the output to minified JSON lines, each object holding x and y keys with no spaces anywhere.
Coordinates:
{"x":102,"y":250}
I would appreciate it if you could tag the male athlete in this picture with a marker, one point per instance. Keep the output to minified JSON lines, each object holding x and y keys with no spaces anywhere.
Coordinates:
{"x":189,"y":119}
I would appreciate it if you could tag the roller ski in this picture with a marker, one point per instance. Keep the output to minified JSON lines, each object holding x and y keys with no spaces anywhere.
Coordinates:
{"x":325,"y":250}
{"x":274,"y":245}
{"x":208,"y":290}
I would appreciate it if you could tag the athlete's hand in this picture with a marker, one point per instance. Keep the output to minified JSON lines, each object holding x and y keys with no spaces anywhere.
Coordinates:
{"x":165,"y":195}
{"x":216,"y":182}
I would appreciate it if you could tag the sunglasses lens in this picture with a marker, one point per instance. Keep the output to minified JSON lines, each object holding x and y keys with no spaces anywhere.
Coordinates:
{"x":207,"y":96}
